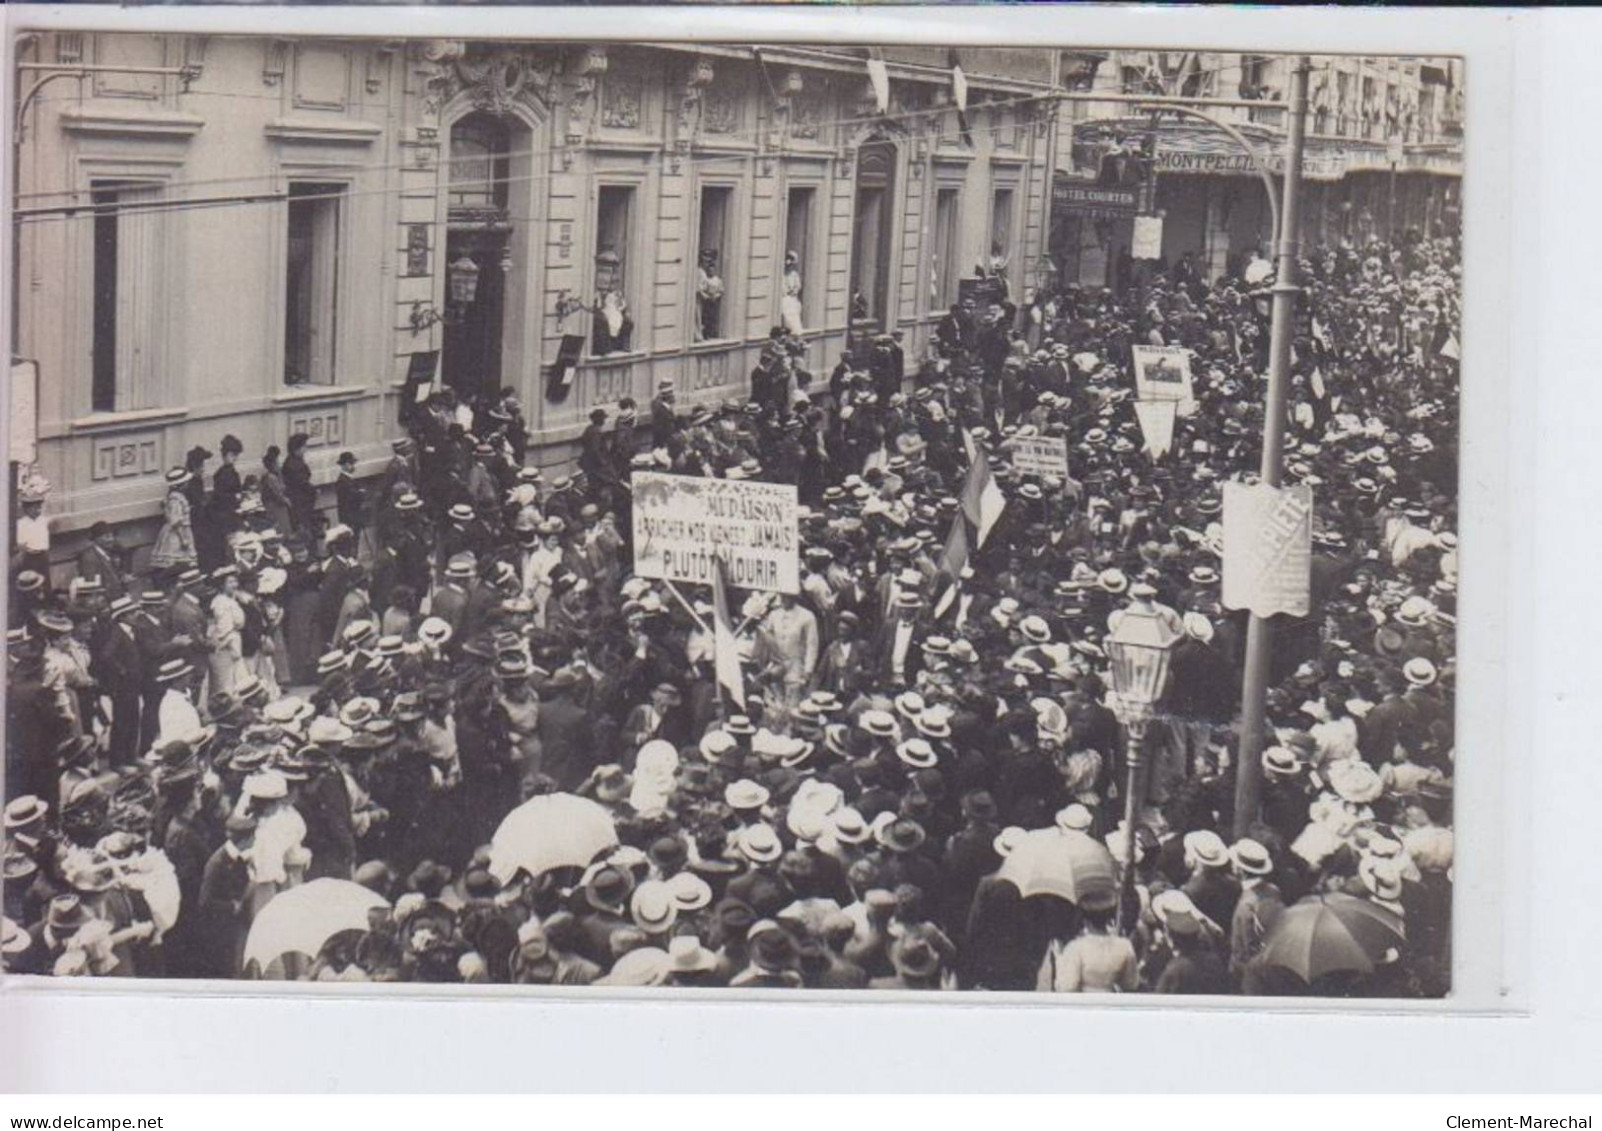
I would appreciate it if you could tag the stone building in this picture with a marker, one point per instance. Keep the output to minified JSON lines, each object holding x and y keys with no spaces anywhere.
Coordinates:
{"x":1383,"y":152}
{"x":263,"y":236}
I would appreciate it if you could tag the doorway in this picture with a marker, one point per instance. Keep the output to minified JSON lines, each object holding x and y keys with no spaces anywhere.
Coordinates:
{"x":477,"y":247}
{"x":872,"y":236}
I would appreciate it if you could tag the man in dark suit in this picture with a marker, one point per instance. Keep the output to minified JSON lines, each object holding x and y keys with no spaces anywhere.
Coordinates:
{"x":451,"y":599}
{"x":118,"y":671}
{"x":188,"y":621}
{"x":349,"y":497}
{"x":1388,"y":723}
{"x":154,"y":638}
{"x":664,"y":420}
{"x":845,"y":664}
{"x":564,"y":729}
{"x":102,"y":561}
{"x":220,"y":942}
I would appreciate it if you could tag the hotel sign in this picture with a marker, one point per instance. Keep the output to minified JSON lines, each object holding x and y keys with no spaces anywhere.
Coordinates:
{"x":1093,"y":199}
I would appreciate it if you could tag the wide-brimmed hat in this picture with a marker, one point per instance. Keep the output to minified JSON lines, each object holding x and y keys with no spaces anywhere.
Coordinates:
{"x":1354,"y":780}
{"x":689,"y":891}
{"x":174,"y":670}
{"x":23,"y":811}
{"x":652,"y":907}
{"x":686,"y":955}
{"x":917,"y":753}
{"x":745,"y":794}
{"x":1206,"y":847}
{"x":934,"y":722}
{"x":1112,"y":581}
{"x":1281,"y":762}
{"x":435,"y":631}
{"x":880,"y":724}
{"x":608,"y":889}
{"x":901,"y":835}
{"x":739,"y":725}
{"x":1251,"y":857}
{"x":1419,"y":672}
{"x":847,"y":826}
{"x":759,"y":843}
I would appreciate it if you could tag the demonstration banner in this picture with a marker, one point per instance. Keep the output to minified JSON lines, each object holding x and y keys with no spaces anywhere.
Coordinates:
{"x":1268,"y":548}
{"x":1039,"y":455}
{"x":1156,"y":425}
{"x":683,"y":522}
{"x":1162,"y":373}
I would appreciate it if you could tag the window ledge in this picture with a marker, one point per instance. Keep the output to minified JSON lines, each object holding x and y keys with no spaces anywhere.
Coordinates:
{"x":118,"y":421}
{"x":613,"y":359}
{"x":92,"y":118}
{"x":345,"y":130}
{"x":714,"y":345}
{"x":312,"y":393}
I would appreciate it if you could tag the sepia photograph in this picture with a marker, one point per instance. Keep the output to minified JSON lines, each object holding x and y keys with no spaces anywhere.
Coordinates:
{"x":732,"y":516}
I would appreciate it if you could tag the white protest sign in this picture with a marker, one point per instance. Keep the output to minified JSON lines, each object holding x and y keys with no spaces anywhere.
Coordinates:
{"x":1156,"y":425}
{"x":1147,"y":242}
{"x":1039,"y":455}
{"x":1268,"y":548}
{"x":683,"y":522}
{"x":24,"y":412}
{"x":1162,"y":373}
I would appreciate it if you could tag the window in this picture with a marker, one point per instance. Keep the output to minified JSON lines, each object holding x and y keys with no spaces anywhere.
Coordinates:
{"x":798,"y":259}
{"x":311,"y":293}
{"x":126,"y":252}
{"x":711,"y":262}
{"x":1001,"y":231}
{"x":1343,"y":100}
{"x":480,"y":163}
{"x":104,"y":397}
{"x":947,"y":248}
{"x":871,"y":237}
{"x":614,"y":217}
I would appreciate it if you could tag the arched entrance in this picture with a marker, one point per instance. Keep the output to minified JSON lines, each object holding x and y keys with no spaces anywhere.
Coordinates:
{"x":478,"y":246}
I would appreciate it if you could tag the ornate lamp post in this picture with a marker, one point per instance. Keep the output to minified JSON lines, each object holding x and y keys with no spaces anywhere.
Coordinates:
{"x":1140,"y":647}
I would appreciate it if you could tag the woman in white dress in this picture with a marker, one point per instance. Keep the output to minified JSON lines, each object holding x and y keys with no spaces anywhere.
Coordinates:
{"x":226,"y":634}
{"x":790,"y":303}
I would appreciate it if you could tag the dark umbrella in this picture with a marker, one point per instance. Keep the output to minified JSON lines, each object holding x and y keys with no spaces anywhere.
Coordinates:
{"x":1326,"y":933}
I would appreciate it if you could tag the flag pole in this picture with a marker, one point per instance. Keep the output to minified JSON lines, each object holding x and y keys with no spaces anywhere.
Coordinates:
{"x":696,"y":617}
{"x":1259,"y":630}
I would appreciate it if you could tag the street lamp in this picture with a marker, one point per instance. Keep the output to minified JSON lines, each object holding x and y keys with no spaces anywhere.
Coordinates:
{"x":1140,"y":648}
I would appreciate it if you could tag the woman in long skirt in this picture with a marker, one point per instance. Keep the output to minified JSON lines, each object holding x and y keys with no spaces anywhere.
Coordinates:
{"x":274,"y":497}
{"x":300,"y":620}
{"x":174,"y":550}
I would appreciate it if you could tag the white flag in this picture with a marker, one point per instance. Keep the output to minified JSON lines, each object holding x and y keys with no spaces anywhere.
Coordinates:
{"x":879,"y":76}
{"x":1157,"y":425}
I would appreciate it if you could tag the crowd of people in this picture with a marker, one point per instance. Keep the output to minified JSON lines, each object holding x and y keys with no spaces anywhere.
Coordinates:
{"x":281,"y":695}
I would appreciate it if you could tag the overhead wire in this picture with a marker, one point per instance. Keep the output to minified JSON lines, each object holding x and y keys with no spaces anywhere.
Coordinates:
{"x":90,"y":209}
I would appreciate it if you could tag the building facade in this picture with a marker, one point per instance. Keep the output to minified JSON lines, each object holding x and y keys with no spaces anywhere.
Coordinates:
{"x":1383,"y":154}
{"x":259,"y":236}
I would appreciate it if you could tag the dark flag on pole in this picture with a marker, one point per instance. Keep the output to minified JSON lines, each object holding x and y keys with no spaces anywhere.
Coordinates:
{"x":953,"y":560}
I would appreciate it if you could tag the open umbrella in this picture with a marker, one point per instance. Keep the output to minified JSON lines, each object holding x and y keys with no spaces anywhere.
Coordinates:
{"x":1061,"y":863}
{"x":553,"y":831}
{"x":302,"y":919}
{"x":1330,"y":932}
